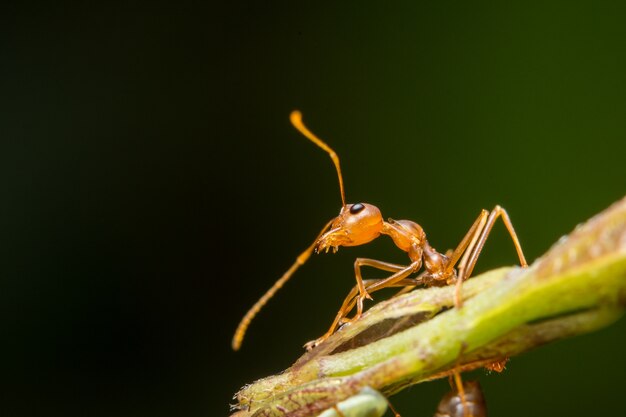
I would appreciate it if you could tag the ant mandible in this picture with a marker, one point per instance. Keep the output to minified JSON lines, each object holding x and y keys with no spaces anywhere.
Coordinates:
{"x":360,"y":223}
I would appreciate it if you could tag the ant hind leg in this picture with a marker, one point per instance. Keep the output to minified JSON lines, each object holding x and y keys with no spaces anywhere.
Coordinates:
{"x":473,"y":243}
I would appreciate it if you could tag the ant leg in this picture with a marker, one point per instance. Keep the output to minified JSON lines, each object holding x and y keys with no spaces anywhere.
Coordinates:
{"x":380,"y":284}
{"x":350,"y":300}
{"x":469,"y":240}
{"x":385,"y":266}
{"x":391,"y":407}
{"x":465,"y":270}
{"x":396,"y":278}
{"x":391,"y":281}
{"x":474,"y":241}
{"x":456,"y":375}
{"x":419,"y":280}
{"x":460,"y":390}
{"x":347,"y":306}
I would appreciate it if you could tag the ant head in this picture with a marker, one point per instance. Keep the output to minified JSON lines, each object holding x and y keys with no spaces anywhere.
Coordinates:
{"x":356,"y":225}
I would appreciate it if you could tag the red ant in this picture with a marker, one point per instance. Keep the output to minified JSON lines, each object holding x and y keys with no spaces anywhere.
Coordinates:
{"x":360,"y":223}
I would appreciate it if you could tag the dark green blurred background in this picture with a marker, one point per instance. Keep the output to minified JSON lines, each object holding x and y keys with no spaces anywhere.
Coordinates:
{"x":153,"y":188}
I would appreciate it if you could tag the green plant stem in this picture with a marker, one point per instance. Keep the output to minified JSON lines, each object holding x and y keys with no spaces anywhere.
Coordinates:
{"x":578,"y":286}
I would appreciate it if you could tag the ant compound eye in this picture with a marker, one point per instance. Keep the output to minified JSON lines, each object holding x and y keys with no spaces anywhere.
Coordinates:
{"x":356,"y":208}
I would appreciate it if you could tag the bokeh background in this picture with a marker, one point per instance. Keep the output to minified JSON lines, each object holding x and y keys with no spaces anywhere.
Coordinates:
{"x":153,"y":189}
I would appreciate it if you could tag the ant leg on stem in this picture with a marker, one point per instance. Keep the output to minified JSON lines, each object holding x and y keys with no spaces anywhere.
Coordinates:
{"x":349,"y":303}
{"x":466,"y":270}
{"x":382,"y":283}
{"x":472,"y":245}
{"x":363,"y":292}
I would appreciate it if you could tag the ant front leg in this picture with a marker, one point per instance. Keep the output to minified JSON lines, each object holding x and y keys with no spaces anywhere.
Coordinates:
{"x":401,"y":272}
{"x":347,"y":306}
{"x":399,"y":279}
{"x":355,"y":296}
{"x":349,"y":303}
{"x":363,"y":293}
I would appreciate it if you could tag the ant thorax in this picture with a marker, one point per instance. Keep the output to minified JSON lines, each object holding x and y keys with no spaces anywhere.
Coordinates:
{"x":406,"y":235}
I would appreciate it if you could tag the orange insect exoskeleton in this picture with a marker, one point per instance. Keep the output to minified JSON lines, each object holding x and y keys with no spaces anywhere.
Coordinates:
{"x":360,"y":223}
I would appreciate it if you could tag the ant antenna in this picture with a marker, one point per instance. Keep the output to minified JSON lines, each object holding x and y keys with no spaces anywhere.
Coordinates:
{"x":296,"y":121}
{"x":300,"y":260}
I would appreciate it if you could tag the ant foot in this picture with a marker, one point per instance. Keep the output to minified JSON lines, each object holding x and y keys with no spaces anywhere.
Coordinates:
{"x":311,"y":344}
{"x":314,"y":343}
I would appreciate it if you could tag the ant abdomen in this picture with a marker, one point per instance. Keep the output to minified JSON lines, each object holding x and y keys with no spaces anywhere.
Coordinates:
{"x":452,"y":405}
